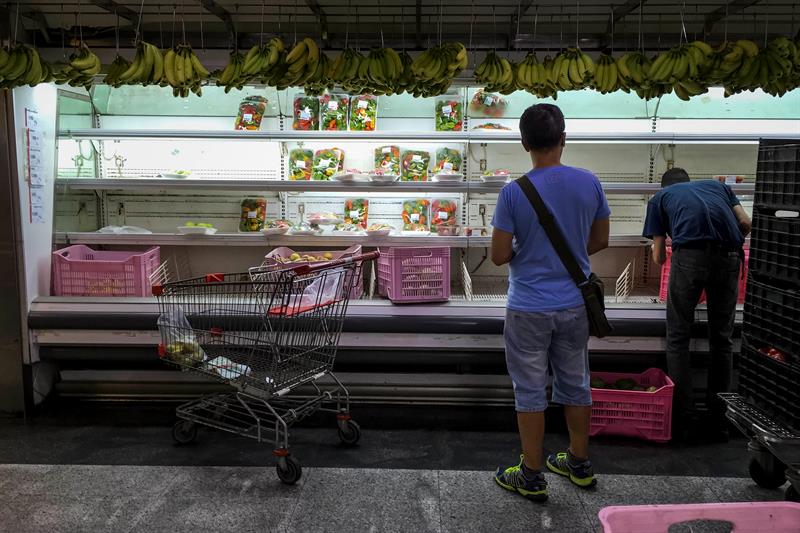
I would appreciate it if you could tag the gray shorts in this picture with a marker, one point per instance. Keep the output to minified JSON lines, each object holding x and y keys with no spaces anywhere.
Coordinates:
{"x":560,"y":337}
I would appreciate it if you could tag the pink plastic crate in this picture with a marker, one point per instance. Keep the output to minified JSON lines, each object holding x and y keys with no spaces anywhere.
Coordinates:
{"x":414,"y":275}
{"x":662,"y":293}
{"x":80,"y":271}
{"x":283,"y":251}
{"x":642,"y":414}
{"x":764,"y":517}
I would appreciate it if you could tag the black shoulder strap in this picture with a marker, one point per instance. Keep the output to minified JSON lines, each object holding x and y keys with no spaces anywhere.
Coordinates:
{"x":553,"y":231}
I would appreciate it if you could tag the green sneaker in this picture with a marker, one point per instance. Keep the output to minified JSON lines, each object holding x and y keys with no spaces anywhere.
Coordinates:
{"x":563,"y":464}
{"x":514,"y":479}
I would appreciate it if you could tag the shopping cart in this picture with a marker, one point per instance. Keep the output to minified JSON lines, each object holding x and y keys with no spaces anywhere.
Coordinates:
{"x":264,"y":332}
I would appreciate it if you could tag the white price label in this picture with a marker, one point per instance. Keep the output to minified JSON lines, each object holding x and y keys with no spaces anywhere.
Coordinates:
{"x":355,"y":214}
{"x":300,"y":164}
{"x":368,"y":119}
{"x":414,"y":217}
{"x":252,"y":214}
{"x":447,"y":110}
{"x":305,"y":114}
{"x":447,"y":165}
{"x":443,"y":215}
{"x":416,"y":158}
{"x":324,"y":163}
{"x":247,"y":117}
{"x":386,"y":150}
{"x":362,"y":104}
{"x":333,"y":104}
{"x":489,"y":100}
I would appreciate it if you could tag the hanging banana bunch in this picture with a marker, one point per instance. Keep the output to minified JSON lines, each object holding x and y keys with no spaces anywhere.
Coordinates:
{"x":345,"y":69}
{"x":435,"y":68}
{"x":494,"y":72}
{"x":606,"y":75}
{"x":261,"y":61}
{"x":299,"y":65}
{"x":572,"y":69}
{"x":83,"y":66}
{"x":147,"y":67}
{"x":406,"y":81}
{"x":183,"y":71}
{"x":231,"y":76}
{"x":321,"y":80}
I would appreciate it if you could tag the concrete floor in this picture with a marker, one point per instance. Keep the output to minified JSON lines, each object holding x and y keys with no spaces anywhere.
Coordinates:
{"x":118,"y":498}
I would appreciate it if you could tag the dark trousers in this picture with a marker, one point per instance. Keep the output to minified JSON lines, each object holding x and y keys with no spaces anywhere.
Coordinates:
{"x":717,"y":272}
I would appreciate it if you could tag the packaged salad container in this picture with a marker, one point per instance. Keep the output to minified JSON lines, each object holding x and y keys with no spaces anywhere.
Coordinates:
{"x":333,"y":112}
{"x":415,"y":165}
{"x":387,"y":159}
{"x":488,"y":104}
{"x":448,"y":161}
{"x":251,"y":111}
{"x":306,"y":112}
{"x":449,"y":113}
{"x":253,"y":214}
{"x":415,"y":215}
{"x":364,"y":113}
{"x":444,"y":213}
{"x":327,"y":162}
{"x":356,"y":211}
{"x":300,"y":163}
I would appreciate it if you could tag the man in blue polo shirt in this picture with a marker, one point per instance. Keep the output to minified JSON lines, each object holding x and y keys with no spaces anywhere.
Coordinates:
{"x":546,"y":322}
{"x":707,"y":225}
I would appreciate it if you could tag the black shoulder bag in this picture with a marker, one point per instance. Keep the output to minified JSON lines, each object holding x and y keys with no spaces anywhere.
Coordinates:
{"x":592,"y":287}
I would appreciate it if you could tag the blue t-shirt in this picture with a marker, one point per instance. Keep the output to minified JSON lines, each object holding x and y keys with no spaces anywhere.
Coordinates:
{"x":694,"y":211}
{"x":538,"y":280}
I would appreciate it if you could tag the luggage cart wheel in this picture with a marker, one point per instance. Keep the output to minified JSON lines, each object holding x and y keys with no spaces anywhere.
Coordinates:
{"x":791,"y":494}
{"x":349,"y":432}
{"x":289,"y":470}
{"x":184,"y":432}
{"x":770,"y":477}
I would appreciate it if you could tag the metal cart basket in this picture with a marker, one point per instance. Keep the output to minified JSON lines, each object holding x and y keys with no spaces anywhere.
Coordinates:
{"x":264,"y":332}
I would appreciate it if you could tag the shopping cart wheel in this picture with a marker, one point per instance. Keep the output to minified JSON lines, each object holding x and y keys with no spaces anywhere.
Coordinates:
{"x":349,"y":432}
{"x":289,"y":470}
{"x":184,"y":432}
{"x":769,"y":476}
{"x":791,"y":494}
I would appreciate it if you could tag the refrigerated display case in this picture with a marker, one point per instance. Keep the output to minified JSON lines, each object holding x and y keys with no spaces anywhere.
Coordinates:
{"x":112,"y":156}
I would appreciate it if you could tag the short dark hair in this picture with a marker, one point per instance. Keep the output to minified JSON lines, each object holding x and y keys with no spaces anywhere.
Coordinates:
{"x":541,"y":126}
{"x":674,"y":176}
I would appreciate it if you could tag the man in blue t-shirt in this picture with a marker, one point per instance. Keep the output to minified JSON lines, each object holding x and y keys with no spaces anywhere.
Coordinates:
{"x":546,"y":320}
{"x":707,"y":225}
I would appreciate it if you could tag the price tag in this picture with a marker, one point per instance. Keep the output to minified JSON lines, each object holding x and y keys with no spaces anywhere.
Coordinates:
{"x":447,"y":165}
{"x":362,"y":104}
{"x":247,"y":117}
{"x":355,"y":214}
{"x":305,"y":114}
{"x":300,"y":164}
{"x":333,"y":104}
{"x":416,"y":158}
{"x":386,"y":150}
{"x":414,"y":217}
{"x":443,"y":215}
{"x":447,"y":110}
{"x":252,"y":214}
{"x":323,"y":163}
{"x":489,"y":100}
{"x":368,"y":119}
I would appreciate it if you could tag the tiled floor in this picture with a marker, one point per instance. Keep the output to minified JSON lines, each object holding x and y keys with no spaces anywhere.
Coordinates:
{"x":119,"y":498}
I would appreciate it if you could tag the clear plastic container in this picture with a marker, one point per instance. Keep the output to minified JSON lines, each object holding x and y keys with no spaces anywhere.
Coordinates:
{"x":387,"y":159}
{"x":415,"y":215}
{"x":444,"y":213}
{"x":364,"y":113}
{"x":305,"y":110}
{"x":449,"y":113}
{"x":300,"y":164}
{"x":448,"y":161}
{"x":356,"y":211}
{"x":327,"y":162}
{"x":486,"y":104}
{"x":251,"y":111}
{"x":415,"y":165}
{"x":333,"y":112}
{"x":253,"y":215}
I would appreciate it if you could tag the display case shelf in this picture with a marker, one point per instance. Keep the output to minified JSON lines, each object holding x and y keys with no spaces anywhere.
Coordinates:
{"x":137,"y":184}
{"x":432,"y":136}
{"x":257,"y":239}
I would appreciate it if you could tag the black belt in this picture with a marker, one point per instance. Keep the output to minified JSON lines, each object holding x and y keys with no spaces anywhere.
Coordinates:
{"x":707,"y":245}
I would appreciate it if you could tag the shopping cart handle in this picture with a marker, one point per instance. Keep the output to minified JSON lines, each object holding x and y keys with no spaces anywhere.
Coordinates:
{"x":305,"y":269}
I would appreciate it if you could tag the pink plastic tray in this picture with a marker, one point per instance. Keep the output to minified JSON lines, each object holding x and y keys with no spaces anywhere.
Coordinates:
{"x":645,"y":415}
{"x":80,"y":271}
{"x":414,"y":275}
{"x":284,"y":252}
{"x":663,"y":290}
{"x":756,"y":517}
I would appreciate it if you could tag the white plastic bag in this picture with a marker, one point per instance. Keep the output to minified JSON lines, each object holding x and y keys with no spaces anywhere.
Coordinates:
{"x":180,"y":343}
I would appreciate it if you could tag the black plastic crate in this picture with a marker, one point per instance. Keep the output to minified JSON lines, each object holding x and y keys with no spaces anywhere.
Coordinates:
{"x":772,"y":318}
{"x":778,"y":175}
{"x":770,"y":384}
{"x":775,"y":246}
